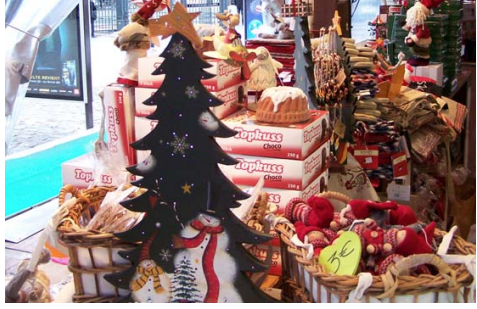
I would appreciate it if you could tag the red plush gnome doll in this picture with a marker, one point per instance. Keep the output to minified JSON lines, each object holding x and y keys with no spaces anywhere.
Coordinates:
{"x":319,"y":238}
{"x":317,"y":211}
{"x":384,"y":213}
{"x":419,"y":37}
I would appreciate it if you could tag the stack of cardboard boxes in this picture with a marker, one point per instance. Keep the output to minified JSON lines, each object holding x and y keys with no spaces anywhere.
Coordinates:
{"x":87,"y":170}
{"x":292,"y":159}
{"x":227,"y":85}
{"x":126,"y":119}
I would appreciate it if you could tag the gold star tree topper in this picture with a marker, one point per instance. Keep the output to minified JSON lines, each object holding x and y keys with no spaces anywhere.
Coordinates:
{"x":179,"y":20}
{"x":336,"y":23}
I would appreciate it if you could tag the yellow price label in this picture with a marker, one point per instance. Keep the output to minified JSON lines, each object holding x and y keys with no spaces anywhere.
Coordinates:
{"x":343,"y":256}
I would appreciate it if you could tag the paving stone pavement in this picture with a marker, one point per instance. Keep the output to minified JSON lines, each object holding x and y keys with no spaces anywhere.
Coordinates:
{"x":43,"y":120}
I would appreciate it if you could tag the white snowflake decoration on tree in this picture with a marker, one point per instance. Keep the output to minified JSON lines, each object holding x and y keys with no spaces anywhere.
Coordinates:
{"x":179,"y":144}
{"x":165,"y":255}
{"x":191,"y":92}
{"x":177,"y":50}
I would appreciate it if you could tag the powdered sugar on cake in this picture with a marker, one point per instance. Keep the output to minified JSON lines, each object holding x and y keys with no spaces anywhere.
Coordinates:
{"x":278,"y":95}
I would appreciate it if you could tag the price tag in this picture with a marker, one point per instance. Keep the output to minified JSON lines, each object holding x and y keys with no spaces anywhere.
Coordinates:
{"x":340,"y":128}
{"x":399,"y":164}
{"x":340,"y":77}
{"x":285,"y":76}
{"x":367,"y":156}
{"x":399,"y":192}
{"x":342,"y":258}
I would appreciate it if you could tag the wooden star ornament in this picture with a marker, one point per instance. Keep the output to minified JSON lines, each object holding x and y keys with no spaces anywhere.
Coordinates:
{"x":336,"y":23}
{"x":186,"y":188}
{"x":179,"y":20}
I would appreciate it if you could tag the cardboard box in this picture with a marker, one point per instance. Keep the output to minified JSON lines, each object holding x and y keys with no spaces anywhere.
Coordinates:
{"x":261,"y":251}
{"x":231,"y":96}
{"x":143,"y":126}
{"x":119,"y":122}
{"x":281,"y":197}
{"x":85,"y":170}
{"x":225,"y":74}
{"x":142,"y":94}
{"x":294,"y":142}
{"x":278,"y":173}
{"x":434,"y":70}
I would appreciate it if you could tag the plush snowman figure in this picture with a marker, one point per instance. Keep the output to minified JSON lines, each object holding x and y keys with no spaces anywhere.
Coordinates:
{"x":149,"y":284}
{"x":205,"y":243}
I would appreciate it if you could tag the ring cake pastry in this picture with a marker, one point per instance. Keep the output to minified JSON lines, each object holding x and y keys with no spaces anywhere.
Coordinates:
{"x":282,"y":105}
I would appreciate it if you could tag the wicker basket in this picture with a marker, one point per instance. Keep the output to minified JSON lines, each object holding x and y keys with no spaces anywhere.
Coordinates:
{"x":92,"y":253}
{"x":307,"y":281}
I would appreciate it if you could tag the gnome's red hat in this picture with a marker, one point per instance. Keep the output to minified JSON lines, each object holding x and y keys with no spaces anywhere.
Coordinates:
{"x":318,"y":243}
{"x":417,"y":243}
{"x":402,"y":215}
{"x":148,"y":9}
{"x":146,"y":248}
{"x":322,"y":212}
{"x":431,"y":3}
{"x":302,"y":230}
{"x":362,"y":208}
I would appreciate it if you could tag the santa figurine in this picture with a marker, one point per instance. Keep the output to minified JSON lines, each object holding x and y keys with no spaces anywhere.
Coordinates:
{"x":419,"y":37}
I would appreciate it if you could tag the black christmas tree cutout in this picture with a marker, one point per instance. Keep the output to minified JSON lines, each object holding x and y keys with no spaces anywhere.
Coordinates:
{"x":304,"y":66}
{"x":188,"y":218}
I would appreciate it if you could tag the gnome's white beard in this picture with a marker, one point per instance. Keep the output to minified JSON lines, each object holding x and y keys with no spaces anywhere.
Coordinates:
{"x":416,"y":15}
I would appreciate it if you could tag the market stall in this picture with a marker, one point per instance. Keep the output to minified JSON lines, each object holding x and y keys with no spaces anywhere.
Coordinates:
{"x":282,"y":168}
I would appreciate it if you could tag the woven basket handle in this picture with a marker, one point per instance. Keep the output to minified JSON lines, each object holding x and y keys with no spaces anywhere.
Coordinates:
{"x":67,"y":189}
{"x":420,"y":259}
{"x":335,"y":196}
{"x":391,"y":281}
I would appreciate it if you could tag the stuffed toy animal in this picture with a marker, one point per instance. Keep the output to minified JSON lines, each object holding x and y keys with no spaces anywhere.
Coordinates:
{"x":318,"y":237}
{"x":231,"y":41}
{"x":316,"y":212}
{"x":230,"y":46}
{"x":379,"y":243}
{"x":230,"y":21}
{"x":29,"y":286}
{"x":282,"y":27}
{"x":384,"y":213}
{"x":134,"y":39}
{"x":419,"y":38}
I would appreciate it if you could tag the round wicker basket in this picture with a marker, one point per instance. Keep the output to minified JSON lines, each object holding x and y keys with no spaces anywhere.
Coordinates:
{"x":92,"y":253}
{"x":308,"y":281}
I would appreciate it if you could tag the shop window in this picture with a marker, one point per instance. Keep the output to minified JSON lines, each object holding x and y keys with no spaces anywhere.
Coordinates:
{"x":362,"y":12}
